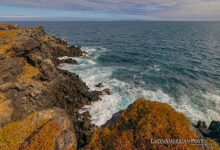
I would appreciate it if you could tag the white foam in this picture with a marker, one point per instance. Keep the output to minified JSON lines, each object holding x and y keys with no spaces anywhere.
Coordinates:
{"x":123,"y":93}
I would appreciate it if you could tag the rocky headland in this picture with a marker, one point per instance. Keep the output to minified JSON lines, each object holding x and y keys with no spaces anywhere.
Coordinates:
{"x":39,"y":103}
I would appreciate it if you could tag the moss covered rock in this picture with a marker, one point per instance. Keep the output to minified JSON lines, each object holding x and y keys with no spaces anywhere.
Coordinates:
{"x":144,"y":122}
{"x":41,"y":130}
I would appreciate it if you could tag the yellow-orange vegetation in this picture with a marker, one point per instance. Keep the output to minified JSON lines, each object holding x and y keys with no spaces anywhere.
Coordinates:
{"x":45,"y":139}
{"x":8,"y":36}
{"x":6,"y":110}
{"x":142,"y":121}
{"x":28,"y":73}
{"x":12,"y":135}
{"x":4,"y":48}
{"x":213,"y":143}
{"x":4,"y":25}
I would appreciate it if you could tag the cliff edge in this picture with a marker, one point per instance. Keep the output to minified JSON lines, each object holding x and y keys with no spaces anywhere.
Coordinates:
{"x":39,"y":103}
{"x":31,"y":82}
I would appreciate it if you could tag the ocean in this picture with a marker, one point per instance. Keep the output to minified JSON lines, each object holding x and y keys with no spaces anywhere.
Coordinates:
{"x":177,"y":63}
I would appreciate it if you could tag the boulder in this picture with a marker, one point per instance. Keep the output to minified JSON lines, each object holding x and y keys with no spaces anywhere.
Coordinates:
{"x":100,"y":85}
{"x":106,"y":91}
{"x":213,"y":131}
{"x":47,"y":129}
{"x":68,"y":61}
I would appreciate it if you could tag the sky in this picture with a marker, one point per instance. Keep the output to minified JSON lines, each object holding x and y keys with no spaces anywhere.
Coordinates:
{"x":109,"y":10}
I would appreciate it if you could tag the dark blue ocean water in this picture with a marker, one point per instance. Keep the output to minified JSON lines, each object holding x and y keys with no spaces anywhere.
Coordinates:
{"x":173,"y":62}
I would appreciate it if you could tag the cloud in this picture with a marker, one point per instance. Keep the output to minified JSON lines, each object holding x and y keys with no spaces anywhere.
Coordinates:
{"x":194,"y":10}
{"x":155,"y":9}
{"x":93,"y":4}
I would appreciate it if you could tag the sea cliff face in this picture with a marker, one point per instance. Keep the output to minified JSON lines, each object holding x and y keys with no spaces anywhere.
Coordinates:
{"x":39,"y":103}
{"x":30,"y":80}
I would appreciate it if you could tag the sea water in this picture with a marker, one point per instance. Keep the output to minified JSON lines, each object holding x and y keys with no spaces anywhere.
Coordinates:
{"x":177,"y":63}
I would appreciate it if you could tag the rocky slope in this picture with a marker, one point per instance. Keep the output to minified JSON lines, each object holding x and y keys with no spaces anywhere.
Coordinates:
{"x":39,"y":104}
{"x":30,"y":80}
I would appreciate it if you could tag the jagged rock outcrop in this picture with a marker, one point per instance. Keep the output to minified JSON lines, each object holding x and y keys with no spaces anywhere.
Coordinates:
{"x":30,"y":80}
{"x":145,"y":122}
{"x":47,"y":129}
{"x":68,"y":61}
{"x":39,"y":104}
{"x":213,"y":131}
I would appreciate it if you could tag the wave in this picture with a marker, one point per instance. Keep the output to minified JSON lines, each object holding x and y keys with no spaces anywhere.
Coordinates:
{"x":125,"y":93}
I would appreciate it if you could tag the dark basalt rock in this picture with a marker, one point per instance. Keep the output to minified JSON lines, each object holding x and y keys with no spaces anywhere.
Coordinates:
{"x":100,"y":85}
{"x":213,"y":131}
{"x":106,"y":91}
{"x":50,"y":86}
{"x":77,"y":52}
{"x":68,"y":61}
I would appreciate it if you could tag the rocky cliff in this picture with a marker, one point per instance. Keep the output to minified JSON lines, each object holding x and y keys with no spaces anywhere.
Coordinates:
{"x":39,"y":103}
{"x":30,"y":80}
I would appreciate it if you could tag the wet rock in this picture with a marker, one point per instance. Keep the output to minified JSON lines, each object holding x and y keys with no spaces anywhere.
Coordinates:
{"x":106,"y":91}
{"x":201,"y":124}
{"x":100,"y":85}
{"x":68,"y":61}
{"x":213,"y":131}
{"x":76,"y":51}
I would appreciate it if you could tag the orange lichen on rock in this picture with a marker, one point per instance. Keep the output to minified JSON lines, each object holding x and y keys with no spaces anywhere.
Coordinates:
{"x":6,"y":110}
{"x":4,"y":48}
{"x":28,"y":73}
{"x":8,"y":34}
{"x":142,"y":122}
{"x":12,"y":135}
{"x":39,"y":131}
{"x":45,"y":139}
{"x":213,"y":144}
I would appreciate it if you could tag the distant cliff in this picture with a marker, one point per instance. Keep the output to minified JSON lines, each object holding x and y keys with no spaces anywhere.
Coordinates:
{"x":39,"y":103}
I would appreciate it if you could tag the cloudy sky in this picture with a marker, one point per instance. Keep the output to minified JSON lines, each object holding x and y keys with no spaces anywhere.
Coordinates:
{"x":110,"y":10}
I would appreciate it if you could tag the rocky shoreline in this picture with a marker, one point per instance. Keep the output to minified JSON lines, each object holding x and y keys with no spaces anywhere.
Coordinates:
{"x":39,"y":103}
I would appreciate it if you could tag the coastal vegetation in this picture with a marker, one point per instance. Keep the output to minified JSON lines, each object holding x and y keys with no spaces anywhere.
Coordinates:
{"x":140,"y":124}
{"x":39,"y":103}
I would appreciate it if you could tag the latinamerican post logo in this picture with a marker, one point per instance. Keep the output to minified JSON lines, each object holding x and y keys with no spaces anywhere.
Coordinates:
{"x":178,"y":141}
